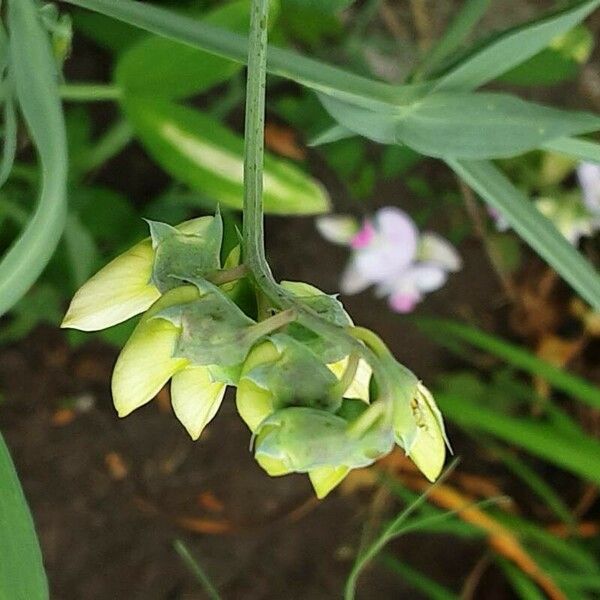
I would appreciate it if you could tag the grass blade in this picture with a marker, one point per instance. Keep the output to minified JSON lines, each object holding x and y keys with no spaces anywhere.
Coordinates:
{"x":195,"y":568}
{"x":461,"y":26}
{"x":584,"y":150}
{"x":444,"y":329}
{"x":22,"y":574}
{"x":513,"y":47}
{"x":428,"y":587}
{"x":535,"y":229}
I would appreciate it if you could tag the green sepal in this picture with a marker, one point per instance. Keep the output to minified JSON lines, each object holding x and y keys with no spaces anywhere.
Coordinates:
{"x":328,"y":308}
{"x":297,"y":378}
{"x":185,"y":257}
{"x":301,"y":439}
{"x":214,"y":330}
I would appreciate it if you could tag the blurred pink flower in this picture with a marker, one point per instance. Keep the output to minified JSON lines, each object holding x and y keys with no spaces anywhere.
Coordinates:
{"x":390,"y":253}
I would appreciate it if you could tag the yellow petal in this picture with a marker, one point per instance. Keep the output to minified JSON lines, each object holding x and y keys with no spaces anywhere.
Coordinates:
{"x":196,"y":398}
{"x":145,"y":364}
{"x":254,"y":403}
{"x":428,"y":450}
{"x":117,"y":292}
{"x":273,"y":466}
{"x":359,"y":388}
{"x":325,"y":479}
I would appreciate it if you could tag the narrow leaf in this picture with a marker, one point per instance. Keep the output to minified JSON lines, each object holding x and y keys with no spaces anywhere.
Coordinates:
{"x":513,"y":47}
{"x":161,"y":68}
{"x":461,"y":26}
{"x":578,"y":388}
{"x":532,"y":226}
{"x":463,"y":125}
{"x":34,"y":74}
{"x":584,"y":150}
{"x":22,"y":574}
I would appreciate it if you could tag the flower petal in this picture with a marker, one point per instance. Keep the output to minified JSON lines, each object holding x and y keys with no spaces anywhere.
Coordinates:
{"x":428,"y":450}
{"x":145,"y":364}
{"x":353,"y":279}
{"x":117,"y":292}
{"x":325,"y":479}
{"x":196,"y":398}
{"x":338,"y":229}
{"x":435,"y":249}
{"x":397,"y":228}
{"x":359,"y":388}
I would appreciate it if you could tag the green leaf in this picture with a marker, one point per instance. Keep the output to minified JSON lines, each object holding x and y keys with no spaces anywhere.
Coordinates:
{"x":22,"y":574}
{"x":576,"y":148}
{"x":444,"y":330}
{"x":320,"y":6}
{"x":464,"y":125}
{"x":207,"y":156}
{"x":311,"y":73}
{"x":428,"y":587}
{"x":112,"y":35}
{"x":34,"y":74}
{"x":559,"y":62}
{"x":461,"y":26}
{"x":161,"y":68}
{"x":532,"y":226}
{"x":578,"y":454}
{"x":513,"y":47}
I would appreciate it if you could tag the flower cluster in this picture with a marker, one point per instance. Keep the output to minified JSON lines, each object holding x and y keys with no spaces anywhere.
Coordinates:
{"x":314,"y":404}
{"x":389,"y":252}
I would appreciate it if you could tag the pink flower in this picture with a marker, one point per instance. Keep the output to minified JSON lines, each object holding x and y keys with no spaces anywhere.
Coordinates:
{"x":390,"y":253}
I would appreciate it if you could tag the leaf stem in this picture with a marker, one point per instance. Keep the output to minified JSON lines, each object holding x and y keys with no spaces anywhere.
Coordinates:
{"x":89,"y":92}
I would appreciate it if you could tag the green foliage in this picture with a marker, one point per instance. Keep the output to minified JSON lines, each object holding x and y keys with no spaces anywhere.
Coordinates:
{"x":37,"y":96}
{"x":22,"y":574}
{"x":198,"y":150}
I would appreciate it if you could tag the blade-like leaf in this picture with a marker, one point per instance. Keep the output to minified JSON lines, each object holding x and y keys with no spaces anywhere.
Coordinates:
{"x":463,"y":125}
{"x":461,"y":26}
{"x":199,"y":151}
{"x":34,"y":74}
{"x":161,"y":68}
{"x":22,"y":574}
{"x":578,"y":454}
{"x":532,"y":226}
{"x":576,"y":387}
{"x":581,"y":149}
{"x":513,"y":47}
{"x":313,"y":74}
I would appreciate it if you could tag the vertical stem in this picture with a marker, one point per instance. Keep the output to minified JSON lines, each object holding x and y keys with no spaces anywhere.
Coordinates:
{"x":253,"y":237}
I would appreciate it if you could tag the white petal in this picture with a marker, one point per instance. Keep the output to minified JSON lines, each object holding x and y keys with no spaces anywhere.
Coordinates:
{"x":397,"y":227}
{"x":117,"y":292}
{"x":353,"y":280}
{"x":325,"y":479}
{"x":338,"y":229}
{"x":426,"y":277}
{"x":145,"y":364}
{"x":195,"y":398}
{"x":435,"y":249}
{"x":589,"y":180}
{"x":359,"y":388}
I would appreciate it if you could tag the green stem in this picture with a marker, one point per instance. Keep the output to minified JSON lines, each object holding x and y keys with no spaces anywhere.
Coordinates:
{"x":110,"y":144}
{"x":89,"y":92}
{"x":253,"y":248}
